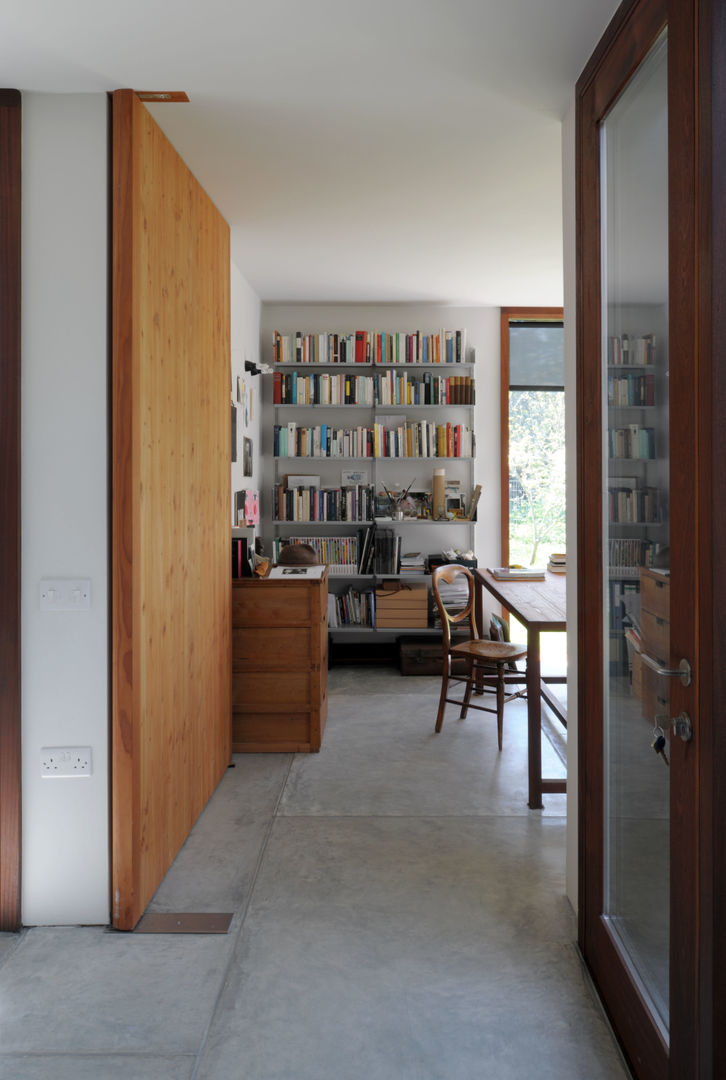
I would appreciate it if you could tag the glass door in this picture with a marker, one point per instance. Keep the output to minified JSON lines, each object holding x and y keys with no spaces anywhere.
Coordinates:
{"x":635,"y":515}
{"x":643,"y":615}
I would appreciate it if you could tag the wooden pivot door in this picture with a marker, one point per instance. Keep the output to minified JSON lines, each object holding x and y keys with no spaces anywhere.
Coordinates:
{"x":651,"y":538}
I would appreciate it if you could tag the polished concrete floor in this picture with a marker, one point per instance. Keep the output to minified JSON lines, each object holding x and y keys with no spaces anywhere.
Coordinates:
{"x":399,"y":915}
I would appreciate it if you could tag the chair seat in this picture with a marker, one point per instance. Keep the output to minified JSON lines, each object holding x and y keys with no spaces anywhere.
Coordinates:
{"x":496,"y":651}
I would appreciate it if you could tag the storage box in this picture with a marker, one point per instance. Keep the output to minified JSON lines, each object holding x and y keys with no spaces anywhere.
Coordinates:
{"x":402,"y":604}
{"x":424,"y":656}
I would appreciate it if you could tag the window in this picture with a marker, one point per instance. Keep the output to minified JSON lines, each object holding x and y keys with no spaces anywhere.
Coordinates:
{"x":533,"y":435}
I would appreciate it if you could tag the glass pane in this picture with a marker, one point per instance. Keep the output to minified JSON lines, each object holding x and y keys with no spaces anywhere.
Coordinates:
{"x":537,"y":512}
{"x":634,"y":173}
{"x":536,"y":354}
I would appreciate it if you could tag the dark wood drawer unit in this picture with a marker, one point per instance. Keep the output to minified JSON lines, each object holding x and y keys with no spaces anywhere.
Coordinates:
{"x":279,"y":664}
{"x":655,"y":633}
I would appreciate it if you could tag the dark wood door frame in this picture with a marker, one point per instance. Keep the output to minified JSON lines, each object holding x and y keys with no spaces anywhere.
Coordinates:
{"x":10,"y":109}
{"x":697,"y":243}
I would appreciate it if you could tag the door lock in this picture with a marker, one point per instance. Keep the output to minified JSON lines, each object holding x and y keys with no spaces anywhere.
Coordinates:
{"x":682,"y":726}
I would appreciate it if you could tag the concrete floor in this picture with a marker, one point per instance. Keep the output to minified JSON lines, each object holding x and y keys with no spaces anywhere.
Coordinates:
{"x":399,"y":915}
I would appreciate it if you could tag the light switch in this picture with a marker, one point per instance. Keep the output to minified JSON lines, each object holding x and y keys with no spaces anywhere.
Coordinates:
{"x":65,"y":594}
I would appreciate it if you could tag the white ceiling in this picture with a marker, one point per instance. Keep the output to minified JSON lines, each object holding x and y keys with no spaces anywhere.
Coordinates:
{"x":385,"y":150}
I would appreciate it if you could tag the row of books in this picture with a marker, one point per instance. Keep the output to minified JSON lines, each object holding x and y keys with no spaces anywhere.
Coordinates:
{"x":353,"y":607}
{"x":631,"y":442}
{"x":632,"y":505}
{"x":632,"y":388}
{"x":398,"y":437}
{"x":624,"y":349}
{"x":339,"y":553}
{"x":383,"y":388}
{"x":313,"y":503}
{"x":626,"y":555}
{"x":407,"y":439}
{"x":370,"y":347}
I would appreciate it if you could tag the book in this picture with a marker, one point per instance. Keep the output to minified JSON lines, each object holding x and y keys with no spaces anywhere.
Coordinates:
{"x":517,"y":573}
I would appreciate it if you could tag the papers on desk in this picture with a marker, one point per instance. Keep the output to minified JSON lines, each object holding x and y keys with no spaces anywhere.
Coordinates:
{"x":517,"y":573}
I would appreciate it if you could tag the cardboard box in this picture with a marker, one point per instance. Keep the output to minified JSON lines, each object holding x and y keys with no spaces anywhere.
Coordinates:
{"x":407,"y":595}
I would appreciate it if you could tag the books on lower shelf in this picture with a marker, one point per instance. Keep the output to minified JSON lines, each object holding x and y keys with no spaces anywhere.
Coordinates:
{"x":338,"y":553}
{"x":517,"y":573}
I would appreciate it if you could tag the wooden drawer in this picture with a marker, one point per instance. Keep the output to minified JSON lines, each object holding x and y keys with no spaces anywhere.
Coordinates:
{"x":637,"y":676}
{"x":655,"y":594}
{"x":655,"y":636}
{"x":279,"y":605}
{"x":281,"y":648}
{"x":261,"y":691}
{"x":284,"y":732}
{"x":654,"y":699}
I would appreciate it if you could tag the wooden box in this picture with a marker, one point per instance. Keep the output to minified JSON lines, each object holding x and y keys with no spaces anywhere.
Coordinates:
{"x":279,"y":664}
{"x":402,"y":605}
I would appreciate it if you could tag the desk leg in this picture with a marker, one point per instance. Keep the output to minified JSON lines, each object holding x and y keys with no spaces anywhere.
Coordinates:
{"x":534,"y":720}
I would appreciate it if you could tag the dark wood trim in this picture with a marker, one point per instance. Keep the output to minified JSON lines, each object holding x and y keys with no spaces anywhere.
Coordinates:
{"x":507,"y":315}
{"x":10,"y":707}
{"x":711,"y":225}
{"x":615,"y":60}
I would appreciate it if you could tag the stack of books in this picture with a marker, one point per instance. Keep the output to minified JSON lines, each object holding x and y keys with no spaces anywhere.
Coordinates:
{"x":557,"y":563}
{"x":413,"y":563}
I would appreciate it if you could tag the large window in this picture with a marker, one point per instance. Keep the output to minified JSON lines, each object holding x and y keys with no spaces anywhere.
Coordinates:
{"x":533,"y":436}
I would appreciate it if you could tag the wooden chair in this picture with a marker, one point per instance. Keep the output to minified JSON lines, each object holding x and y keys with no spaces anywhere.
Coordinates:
{"x":487,"y":659}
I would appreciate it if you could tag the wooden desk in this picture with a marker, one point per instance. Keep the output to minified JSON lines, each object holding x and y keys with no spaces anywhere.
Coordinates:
{"x":540,"y":606}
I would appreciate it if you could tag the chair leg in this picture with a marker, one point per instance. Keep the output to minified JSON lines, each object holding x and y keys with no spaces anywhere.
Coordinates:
{"x":467,"y":695}
{"x":442,"y":699}
{"x":500,"y":703}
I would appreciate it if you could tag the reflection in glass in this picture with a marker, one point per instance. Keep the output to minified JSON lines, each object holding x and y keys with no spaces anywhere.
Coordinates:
{"x":636,"y":519}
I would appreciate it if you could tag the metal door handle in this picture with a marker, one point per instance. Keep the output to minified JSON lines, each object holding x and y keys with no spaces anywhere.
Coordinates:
{"x":682,"y":672}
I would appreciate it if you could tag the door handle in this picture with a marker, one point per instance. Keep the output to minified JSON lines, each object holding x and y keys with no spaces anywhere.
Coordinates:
{"x":682,"y":672}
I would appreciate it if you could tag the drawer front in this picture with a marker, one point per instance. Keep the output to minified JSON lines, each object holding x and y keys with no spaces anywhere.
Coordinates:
{"x":284,"y":731}
{"x":637,"y":676}
{"x":281,"y":648}
{"x":271,"y":605}
{"x":655,"y":636}
{"x":268,"y":692}
{"x":655,"y":596}
{"x":655,"y":701}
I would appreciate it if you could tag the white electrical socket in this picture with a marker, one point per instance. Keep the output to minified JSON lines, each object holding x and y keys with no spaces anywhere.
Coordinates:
{"x":65,"y":761}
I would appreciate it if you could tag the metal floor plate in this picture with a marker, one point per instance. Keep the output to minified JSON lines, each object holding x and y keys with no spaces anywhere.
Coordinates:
{"x":184,"y":922}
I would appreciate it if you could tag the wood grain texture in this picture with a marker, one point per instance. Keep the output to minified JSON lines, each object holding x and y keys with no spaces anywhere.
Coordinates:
{"x":10,"y":714}
{"x":171,"y":637}
{"x":280,"y":665}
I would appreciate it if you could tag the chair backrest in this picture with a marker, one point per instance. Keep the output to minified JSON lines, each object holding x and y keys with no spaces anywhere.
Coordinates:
{"x":463,"y":616}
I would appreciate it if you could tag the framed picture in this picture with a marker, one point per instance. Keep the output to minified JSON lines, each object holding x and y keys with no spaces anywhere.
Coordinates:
{"x":234,"y":432}
{"x":246,"y":456}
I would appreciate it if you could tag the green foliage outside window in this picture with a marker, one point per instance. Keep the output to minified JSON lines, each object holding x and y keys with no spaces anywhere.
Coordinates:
{"x":536,"y":475}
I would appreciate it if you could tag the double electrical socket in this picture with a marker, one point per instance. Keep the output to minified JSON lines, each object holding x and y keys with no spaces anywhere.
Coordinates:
{"x":65,"y":761}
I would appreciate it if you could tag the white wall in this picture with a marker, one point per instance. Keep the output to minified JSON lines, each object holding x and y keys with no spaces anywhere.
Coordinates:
{"x":482,"y":327}
{"x":246,"y":388}
{"x":570,"y":289}
{"x":65,"y":874}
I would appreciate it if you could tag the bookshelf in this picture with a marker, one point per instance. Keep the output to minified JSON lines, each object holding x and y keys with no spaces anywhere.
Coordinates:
{"x":635,"y":512}
{"x":353,"y":416}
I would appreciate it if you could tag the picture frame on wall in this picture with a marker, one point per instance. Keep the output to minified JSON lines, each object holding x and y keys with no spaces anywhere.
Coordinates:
{"x":234,"y":432}
{"x":246,"y":456}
